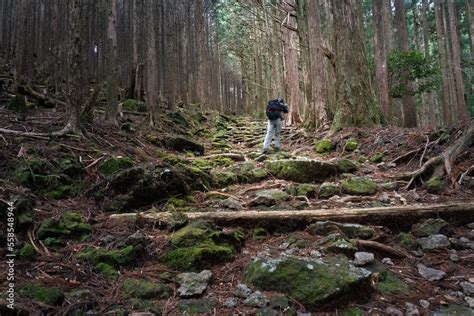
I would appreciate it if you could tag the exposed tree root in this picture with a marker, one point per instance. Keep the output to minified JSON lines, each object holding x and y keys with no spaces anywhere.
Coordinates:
{"x":44,"y":99}
{"x":442,"y":164}
{"x":370,"y":244}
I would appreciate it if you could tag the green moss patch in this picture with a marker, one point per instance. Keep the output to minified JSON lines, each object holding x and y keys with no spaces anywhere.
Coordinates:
{"x":393,"y":285}
{"x":27,"y":252}
{"x":377,"y":157}
{"x":351,"y":145}
{"x":113,"y":257}
{"x":199,"y":245}
{"x":435,"y":185}
{"x":324,"y":146}
{"x":141,"y":289}
{"x":106,"y":270}
{"x":359,"y":186}
{"x":44,"y":294}
{"x":134,"y":105}
{"x":70,"y":225}
{"x":115,"y":164}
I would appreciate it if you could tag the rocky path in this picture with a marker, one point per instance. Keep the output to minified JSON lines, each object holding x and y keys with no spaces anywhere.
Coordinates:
{"x":200,"y":223}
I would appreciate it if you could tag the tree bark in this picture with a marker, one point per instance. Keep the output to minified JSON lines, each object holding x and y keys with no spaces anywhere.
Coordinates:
{"x":112,"y":71}
{"x":409,"y":105}
{"x":381,"y":73}
{"x":356,"y":101}
{"x":151,"y":86}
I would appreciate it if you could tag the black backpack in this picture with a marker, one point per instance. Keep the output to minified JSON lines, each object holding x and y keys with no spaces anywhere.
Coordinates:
{"x":273,"y":109}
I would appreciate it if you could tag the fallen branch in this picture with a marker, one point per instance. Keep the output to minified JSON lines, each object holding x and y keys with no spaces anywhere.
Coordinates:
{"x":380,"y":247}
{"x":42,"y":98}
{"x":234,"y":157}
{"x":395,"y":214}
{"x":467,"y":172}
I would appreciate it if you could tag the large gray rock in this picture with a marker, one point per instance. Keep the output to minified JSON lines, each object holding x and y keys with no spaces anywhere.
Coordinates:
{"x":433,"y":242}
{"x":429,"y":227}
{"x":192,"y":284}
{"x":269,"y":197}
{"x":429,"y":273}
{"x":242,"y":291}
{"x":467,"y":288}
{"x":140,"y":186}
{"x":311,"y":282}
{"x":363,"y":258}
{"x":301,"y":170}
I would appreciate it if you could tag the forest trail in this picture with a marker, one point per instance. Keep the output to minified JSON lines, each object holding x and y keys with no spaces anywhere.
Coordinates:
{"x":182,"y":219}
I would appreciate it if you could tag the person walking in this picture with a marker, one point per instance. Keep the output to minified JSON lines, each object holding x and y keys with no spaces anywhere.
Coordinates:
{"x":273,"y":112}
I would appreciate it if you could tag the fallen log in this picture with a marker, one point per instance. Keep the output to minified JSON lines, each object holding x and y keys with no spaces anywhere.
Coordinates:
{"x":395,"y":215}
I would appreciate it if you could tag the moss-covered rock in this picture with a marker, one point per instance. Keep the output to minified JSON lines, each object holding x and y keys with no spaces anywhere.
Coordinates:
{"x":248,"y":172}
{"x":141,"y":289}
{"x":392,"y":285}
{"x":134,"y":105}
{"x":344,"y":165}
{"x":71,"y":167}
{"x":259,"y":233}
{"x":310,"y":282}
{"x":324,"y":146}
{"x":431,"y":226}
{"x":435,"y":185}
{"x":183,"y":144}
{"x":359,"y":186}
{"x":196,"y":306}
{"x":304,"y":189}
{"x":70,"y":225}
{"x":377,"y":157}
{"x":407,"y":241}
{"x":328,"y":189}
{"x":351,"y":230}
{"x":178,"y":118}
{"x":114,"y":165}
{"x":301,"y":170}
{"x":351,"y":144}
{"x":223,"y":179}
{"x":199,"y":245}
{"x":336,"y":243}
{"x":113,"y":257}
{"x":44,"y":294}
{"x":269,"y":197}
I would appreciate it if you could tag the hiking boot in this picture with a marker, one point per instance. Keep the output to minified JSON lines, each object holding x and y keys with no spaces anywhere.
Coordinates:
{"x":277,"y":149}
{"x":265,"y":152}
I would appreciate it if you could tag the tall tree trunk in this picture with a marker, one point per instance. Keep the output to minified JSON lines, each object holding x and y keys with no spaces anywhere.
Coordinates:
{"x":443,"y":63}
{"x":409,"y":104}
{"x":151,"y":86}
{"x":356,"y":101}
{"x":76,"y":84}
{"x":112,"y":71}
{"x":316,"y":115}
{"x":381,"y":73}
{"x":462,"y":111}
{"x":292,"y":77}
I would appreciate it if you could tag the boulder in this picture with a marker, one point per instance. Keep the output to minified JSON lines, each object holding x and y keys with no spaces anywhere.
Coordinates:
{"x":200,"y":245}
{"x":191,"y":284}
{"x":344,"y":165}
{"x":433,"y":242}
{"x":308,"y":281}
{"x":359,"y":186}
{"x":182,"y":144}
{"x":301,"y":170}
{"x":429,"y":227}
{"x":140,"y":186}
{"x":429,"y":273}
{"x":269,"y":197}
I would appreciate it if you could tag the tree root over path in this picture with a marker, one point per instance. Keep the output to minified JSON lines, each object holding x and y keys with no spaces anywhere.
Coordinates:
{"x":396,"y":215}
{"x":443,"y":164}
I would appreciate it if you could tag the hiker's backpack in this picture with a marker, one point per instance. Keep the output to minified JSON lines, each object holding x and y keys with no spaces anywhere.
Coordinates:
{"x":273,"y":110}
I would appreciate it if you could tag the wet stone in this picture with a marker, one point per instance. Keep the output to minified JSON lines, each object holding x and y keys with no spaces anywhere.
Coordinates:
{"x":256,"y":299}
{"x":411,"y":309}
{"x":363,"y":258}
{"x":192,"y":284}
{"x":433,"y":242}
{"x":467,"y":288}
{"x":242,"y":291}
{"x":392,"y":311}
{"x":429,"y":273}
